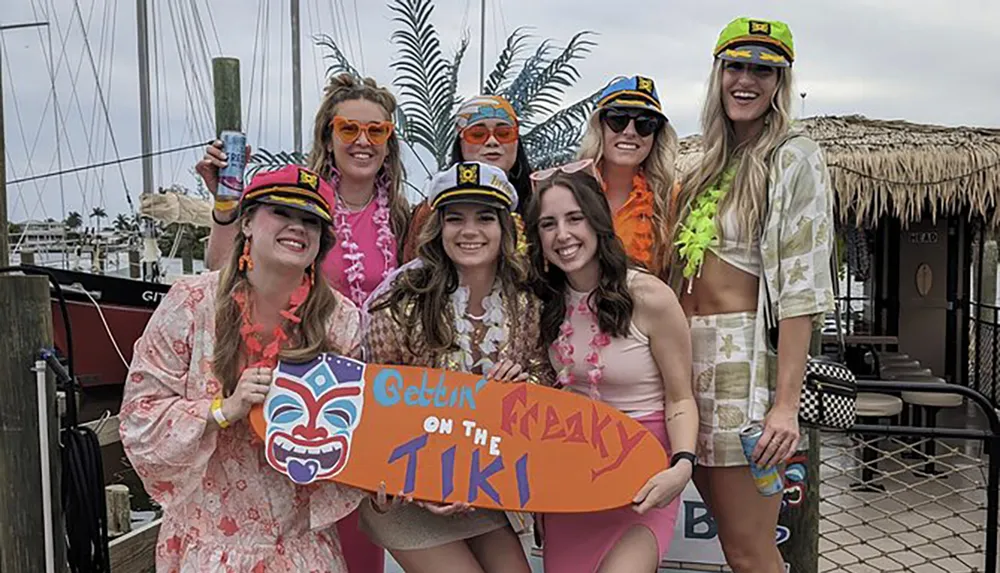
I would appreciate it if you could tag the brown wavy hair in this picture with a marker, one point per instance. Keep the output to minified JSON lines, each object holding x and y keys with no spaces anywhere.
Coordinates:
{"x":430,"y":286}
{"x":611,"y":301}
{"x":659,"y":170}
{"x":345,"y":87}
{"x":307,"y":339}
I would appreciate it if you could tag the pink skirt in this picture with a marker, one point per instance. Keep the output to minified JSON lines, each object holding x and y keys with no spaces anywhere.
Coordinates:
{"x":360,"y":554}
{"x":578,"y":542}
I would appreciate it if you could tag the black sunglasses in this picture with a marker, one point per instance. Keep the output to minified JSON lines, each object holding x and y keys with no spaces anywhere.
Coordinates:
{"x":646,"y":123}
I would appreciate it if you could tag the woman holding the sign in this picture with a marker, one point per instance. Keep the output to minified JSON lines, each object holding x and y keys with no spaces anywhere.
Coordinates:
{"x":206,"y":358}
{"x":463,"y":309}
{"x":355,"y":149}
{"x":754,"y":239}
{"x":617,"y":334}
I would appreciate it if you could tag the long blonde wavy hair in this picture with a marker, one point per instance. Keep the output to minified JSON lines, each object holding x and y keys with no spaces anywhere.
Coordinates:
{"x":748,"y":193}
{"x":659,"y":170}
{"x":345,"y":87}
{"x":307,"y":339}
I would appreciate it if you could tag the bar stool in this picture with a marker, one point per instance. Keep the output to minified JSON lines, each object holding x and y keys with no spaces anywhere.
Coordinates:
{"x":872,"y":408}
{"x":929,"y":404}
{"x":894,"y":373}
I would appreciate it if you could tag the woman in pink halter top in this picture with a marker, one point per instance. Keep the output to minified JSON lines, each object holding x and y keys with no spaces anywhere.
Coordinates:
{"x":618,"y":335}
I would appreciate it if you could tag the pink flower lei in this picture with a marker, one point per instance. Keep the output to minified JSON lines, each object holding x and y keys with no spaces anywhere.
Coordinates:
{"x":564,"y":349}
{"x":354,"y":264}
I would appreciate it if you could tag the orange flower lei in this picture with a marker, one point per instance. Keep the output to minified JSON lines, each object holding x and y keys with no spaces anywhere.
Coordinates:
{"x":634,"y":221}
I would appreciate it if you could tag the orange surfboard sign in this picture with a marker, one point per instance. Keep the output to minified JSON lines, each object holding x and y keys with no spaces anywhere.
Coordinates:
{"x":447,"y":436}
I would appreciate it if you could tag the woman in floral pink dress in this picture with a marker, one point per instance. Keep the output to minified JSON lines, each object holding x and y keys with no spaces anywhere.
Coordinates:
{"x":355,"y":149}
{"x":206,"y":358}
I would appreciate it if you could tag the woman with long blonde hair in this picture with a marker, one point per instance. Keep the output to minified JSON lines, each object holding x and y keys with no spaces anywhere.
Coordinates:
{"x":464,"y":308}
{"x":753,"y":239}
{"x":356,"y":149}
{"x":206,"y":358}
{"x":634,"y":146}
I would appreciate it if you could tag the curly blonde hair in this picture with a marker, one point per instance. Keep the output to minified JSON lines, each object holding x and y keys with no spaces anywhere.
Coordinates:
{"x":719,"y":147}
{"x":345,"y":87}
{"x":658,"y":168}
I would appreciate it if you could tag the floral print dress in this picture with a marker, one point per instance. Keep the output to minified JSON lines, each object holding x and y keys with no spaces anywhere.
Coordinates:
{"x":224,"y":508}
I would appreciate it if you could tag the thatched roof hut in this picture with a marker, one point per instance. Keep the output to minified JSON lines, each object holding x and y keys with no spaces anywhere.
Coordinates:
{"x":905,"y":169}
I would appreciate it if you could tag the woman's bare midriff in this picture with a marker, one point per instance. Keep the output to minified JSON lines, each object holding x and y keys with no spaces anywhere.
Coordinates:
{"x":721,"y":288}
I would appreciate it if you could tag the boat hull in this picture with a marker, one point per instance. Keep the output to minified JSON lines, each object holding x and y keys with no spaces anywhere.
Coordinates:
{"x":126,"y":306}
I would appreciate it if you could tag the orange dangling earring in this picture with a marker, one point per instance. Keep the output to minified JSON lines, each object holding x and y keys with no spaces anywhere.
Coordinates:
{"x":246,"y":263}
{"x":545,"y":265}
{"x":311,"y":271}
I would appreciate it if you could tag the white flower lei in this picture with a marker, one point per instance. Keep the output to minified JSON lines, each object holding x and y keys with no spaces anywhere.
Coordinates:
{"x":354,"y":264}
{"x":493,"y":318}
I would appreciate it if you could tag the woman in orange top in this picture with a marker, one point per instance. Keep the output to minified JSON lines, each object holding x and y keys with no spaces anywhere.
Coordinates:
{"x":630,"y":139}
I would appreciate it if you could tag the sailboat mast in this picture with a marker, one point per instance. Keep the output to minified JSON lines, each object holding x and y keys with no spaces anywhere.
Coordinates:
{"x":151,"y":253}
{"x":144,"y":120}
{"x":482,"y":45}
{"x":296,"y":78}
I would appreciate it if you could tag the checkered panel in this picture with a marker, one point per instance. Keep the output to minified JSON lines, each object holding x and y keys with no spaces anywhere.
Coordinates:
{"x":829,"y":395}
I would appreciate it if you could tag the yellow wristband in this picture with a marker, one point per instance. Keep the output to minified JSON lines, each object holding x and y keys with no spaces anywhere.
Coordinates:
{"x":216,"y":410}
{"x":225,"y":205}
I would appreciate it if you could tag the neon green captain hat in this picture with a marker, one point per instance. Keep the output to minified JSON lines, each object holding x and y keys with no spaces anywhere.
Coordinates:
{"x":763,"y":42}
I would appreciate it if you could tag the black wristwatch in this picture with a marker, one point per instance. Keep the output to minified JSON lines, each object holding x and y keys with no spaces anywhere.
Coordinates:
{"x":684,"y":456}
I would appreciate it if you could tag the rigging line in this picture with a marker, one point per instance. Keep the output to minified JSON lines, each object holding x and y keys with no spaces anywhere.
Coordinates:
{"x":88,"y":184}
{"x":281,"y":84}
{"x":248,"y":113}
{"x":59,"y":118}
{"x":157,"y":94}
{"x":465,"y":15}
{"x":265,"y":56}
{"x":215,"y":32}
{"x":191,"y":107}
{"x":100,"y":93}
{"x":198,"y":80}
{"x":105,"y":45}
{"x":343,"y":30}
{"x":361,"y":43}
{"x":107,"y":163}
{"x":179,"y":21}
{"x":206,"y":54}
{"x":318,"y":72}
{"x":20,"y":122}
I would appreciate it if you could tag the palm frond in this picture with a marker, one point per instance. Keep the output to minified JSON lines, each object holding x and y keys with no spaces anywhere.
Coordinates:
{"x":264,"y":160}
{"x":565,"y":127}
{"x":540,"y":91}
{"x":498,"y":77}
{"x":424,"y":77}
{"x":340,"y":63}
{"x":516,"y":92}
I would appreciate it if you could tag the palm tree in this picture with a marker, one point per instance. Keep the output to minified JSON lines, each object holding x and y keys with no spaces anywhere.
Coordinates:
{"x":73,"y":220}
{"x":427,"y":83}
{"x":98,"y":213}
{"x":122,"y":223}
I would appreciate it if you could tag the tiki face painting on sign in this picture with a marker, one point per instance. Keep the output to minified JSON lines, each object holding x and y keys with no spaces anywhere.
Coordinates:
{"x":311,"y":413}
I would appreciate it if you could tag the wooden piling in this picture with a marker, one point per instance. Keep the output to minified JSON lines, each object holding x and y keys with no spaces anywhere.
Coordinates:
{"x":800,"y":516}
{"x":26,"y":328}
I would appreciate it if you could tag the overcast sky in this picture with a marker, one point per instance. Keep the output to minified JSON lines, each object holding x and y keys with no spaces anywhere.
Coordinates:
{"x":927,"y":61}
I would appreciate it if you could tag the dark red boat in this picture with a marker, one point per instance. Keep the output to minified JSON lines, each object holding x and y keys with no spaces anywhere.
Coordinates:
{"x":127,"y":305}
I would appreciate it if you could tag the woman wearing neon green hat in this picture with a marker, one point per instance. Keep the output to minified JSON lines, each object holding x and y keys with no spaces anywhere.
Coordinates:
{"x":754,"y":236}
